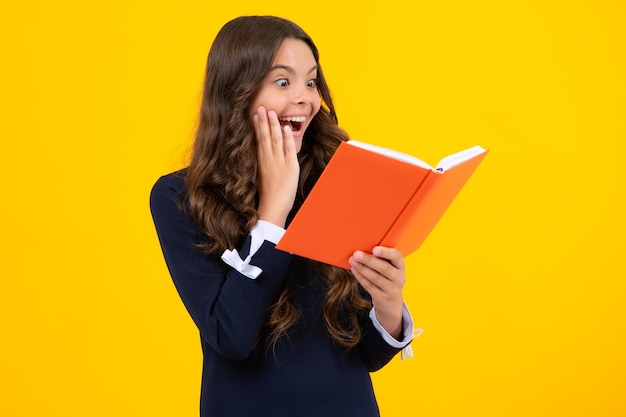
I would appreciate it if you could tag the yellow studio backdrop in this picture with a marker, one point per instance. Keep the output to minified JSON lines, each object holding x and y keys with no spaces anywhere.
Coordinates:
{"x":520,"y":288}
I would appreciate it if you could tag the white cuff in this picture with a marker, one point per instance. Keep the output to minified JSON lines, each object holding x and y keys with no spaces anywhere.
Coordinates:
{"x":263,"y":230}
{"x":407,"y":331}
{"x":260,"y":232}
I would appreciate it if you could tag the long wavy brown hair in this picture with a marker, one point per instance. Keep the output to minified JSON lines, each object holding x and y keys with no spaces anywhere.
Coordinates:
{"x":220,"y":184}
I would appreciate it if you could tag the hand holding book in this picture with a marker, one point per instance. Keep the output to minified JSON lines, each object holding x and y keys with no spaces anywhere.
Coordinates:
{"x":383,"y":274}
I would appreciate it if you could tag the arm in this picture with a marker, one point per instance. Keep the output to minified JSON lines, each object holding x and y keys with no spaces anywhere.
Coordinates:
{"x":228,"y":308}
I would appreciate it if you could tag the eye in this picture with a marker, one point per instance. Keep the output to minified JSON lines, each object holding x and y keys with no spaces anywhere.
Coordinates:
{"x":312,"y":83}
{"x":282,"y":82}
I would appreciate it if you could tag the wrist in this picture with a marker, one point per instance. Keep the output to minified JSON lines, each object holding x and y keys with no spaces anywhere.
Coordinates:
{"x":272,"y":216}
{"x":390,"y":321}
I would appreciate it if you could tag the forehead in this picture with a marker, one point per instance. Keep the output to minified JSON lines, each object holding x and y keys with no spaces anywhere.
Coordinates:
{"x":294,"y":51}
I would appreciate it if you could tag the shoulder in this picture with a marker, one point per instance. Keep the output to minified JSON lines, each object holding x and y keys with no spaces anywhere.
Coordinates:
{"x":174,"y":181}
{"x":167,"y":190}
{"x":168,"y":185}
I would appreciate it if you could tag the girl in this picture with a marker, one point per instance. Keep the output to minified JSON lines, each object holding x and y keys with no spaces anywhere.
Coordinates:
{"x":281,"y":335}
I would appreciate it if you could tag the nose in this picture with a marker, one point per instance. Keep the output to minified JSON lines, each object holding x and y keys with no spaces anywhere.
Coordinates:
{"x":303,"y":95}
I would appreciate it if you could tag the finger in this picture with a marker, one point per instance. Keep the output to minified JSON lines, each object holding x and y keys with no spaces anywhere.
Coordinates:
{"x":263,"y":130}
{"x":382,"y":272}
{"x":276,"y":132}
{"x":381,"y":266}
{"x":390,"y":254}
{"x":257,"y":134}
{"x":289,"y":143}
{"x":384,"y":289}
{"x":369,"y":268}
{"x":372,"y":286}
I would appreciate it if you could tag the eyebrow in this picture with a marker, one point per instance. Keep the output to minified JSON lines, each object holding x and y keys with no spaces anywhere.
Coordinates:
{"x":290,"y":69}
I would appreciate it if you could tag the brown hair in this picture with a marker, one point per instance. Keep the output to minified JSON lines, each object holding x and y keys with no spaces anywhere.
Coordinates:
{"x":220,"y":183}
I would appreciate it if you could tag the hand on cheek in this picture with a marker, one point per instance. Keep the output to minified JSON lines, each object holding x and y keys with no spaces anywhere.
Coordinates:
{"x":382,"y":275}
{"x":278,"y":169}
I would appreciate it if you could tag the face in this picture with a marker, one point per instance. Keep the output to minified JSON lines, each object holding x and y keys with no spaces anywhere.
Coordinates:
{"x":290,"y":88}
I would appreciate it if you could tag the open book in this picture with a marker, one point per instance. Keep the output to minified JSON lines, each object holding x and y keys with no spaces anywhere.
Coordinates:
{"x":369,"y":196}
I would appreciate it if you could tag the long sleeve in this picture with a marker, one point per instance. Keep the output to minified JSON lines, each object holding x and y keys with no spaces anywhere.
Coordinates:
{"x":228,"y":308}
{"x":376,"y":346}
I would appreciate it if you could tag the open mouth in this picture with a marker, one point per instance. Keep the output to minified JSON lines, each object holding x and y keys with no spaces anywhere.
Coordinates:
{"x":294,"y":122}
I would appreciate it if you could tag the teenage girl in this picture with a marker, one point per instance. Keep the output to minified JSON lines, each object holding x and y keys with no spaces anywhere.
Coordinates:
{"x":281,"y":335}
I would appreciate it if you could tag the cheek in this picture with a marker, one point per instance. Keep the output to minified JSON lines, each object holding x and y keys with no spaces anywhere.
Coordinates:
{"x":298,"y":145}
{"x":265,"y":97}
{"x":317,"y":104}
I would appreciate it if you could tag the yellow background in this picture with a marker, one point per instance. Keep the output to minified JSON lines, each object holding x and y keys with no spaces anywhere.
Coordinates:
{"x":521,"y":288}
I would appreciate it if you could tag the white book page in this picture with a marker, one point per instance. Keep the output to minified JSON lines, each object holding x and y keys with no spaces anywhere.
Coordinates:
{"x":390,"y":153}
{"x":458,"y":158}
{"x":443,"y":165}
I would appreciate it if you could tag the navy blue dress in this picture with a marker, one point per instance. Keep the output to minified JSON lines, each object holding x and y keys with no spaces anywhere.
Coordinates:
{"x":306,"y":374}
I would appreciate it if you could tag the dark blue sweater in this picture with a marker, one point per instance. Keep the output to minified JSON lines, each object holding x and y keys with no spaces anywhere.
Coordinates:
{"x":307,"y":374}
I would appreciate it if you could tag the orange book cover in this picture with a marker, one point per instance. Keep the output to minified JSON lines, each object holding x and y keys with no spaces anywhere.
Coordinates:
{"x":369,"y":196}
